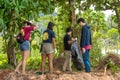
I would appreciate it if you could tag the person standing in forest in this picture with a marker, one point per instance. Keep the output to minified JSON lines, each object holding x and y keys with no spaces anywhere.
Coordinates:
{"x":67,"y":49}
{"x":25,"y":46}
{"x":49,"y":47}
{"x":85,"y":43}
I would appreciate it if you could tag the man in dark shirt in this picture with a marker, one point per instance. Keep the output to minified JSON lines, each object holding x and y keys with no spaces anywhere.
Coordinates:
{"x":85,"y":43}
{"x":67,"y":47}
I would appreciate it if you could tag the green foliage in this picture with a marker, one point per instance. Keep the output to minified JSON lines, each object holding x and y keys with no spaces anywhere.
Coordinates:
{"x":36,"y":41}
{"x":112,"y":66}
{"x":96,"y":54}
{"x":113,"y":33}
{"x":4,"y":63}
{"x":96,"y":19}
{"x":105,"y":4}
{"x":13,"y":12}
{"x":34,"y":63}
{"x":2,"y":47}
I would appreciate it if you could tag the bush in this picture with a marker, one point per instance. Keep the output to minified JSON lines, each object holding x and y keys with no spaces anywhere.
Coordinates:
{"x":3,"y":61}
{"x":33,"y":63}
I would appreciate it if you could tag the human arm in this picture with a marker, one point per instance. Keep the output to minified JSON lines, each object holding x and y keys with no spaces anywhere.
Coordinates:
{"x":90,"y":39}
{"x":22,"y":32}
{"x":53,"y":39}
{"x":83,"y":39}
{"x":71,"y":40}
{"x":35,"y":26}
{"x":32,"y":27}
{"x":54,"y":43}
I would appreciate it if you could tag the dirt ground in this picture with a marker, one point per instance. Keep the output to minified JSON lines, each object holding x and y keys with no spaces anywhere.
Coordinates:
{"x":58,"y":75}
{"x":9,"y":75}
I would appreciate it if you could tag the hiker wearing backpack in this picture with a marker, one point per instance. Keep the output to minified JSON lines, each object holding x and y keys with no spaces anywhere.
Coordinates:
{"x":49,"y":47}
{"x":25,"y":45}
{"x":85,"y":43}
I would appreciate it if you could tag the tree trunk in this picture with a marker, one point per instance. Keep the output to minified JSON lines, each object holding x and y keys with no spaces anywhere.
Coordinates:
{"x":72,"y":13}
{"x":10,"y":52}
{"x":72,"y":18}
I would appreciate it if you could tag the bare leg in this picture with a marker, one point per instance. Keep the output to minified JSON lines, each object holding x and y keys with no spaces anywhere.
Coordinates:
{"x":43,"y":62}
{"x":18,"y":66}
{"x":24,"y":58}
{"x":50,"y":60}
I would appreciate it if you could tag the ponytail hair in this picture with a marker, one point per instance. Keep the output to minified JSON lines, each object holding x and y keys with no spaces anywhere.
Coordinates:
{"x":50,"y":25}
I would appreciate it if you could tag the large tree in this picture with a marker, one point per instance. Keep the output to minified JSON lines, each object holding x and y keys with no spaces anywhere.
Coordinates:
{"x":12,"y":12}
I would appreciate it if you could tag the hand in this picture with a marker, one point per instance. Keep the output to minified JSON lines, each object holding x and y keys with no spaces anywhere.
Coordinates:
{"x":55,"y":50}
{"x":83,"y":50}
{"x":75,"y":39}
{"x":62,"y":54}
{"x":72,"y":39}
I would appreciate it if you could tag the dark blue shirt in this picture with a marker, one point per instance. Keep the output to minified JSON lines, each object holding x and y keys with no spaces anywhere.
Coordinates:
{"x":85,"y":36}
{"x":48,"y":35}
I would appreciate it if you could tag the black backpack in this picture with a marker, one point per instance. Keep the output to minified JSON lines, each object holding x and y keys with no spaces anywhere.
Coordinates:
{"x":20,"y":38}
